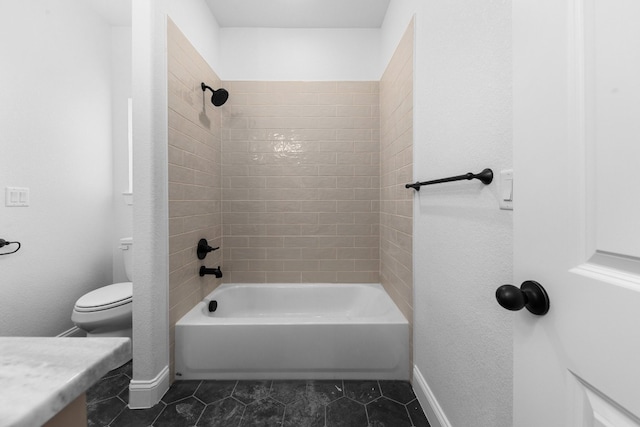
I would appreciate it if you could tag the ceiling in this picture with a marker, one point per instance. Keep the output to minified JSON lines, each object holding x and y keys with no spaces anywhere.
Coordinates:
{"x":299,"y":13}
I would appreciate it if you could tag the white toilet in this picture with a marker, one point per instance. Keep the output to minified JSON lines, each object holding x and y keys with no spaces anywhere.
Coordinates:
{"x":106,"y":311}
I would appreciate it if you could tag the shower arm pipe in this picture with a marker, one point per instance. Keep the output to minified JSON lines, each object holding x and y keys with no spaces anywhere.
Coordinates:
{"x":486,"y":176}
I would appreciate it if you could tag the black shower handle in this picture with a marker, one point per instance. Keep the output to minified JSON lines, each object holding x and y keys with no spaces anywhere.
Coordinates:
{"x":204,"y":248}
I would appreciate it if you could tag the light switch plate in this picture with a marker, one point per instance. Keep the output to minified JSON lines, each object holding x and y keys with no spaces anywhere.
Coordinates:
{"x":16,"y":197}
{"x":505,"y":190}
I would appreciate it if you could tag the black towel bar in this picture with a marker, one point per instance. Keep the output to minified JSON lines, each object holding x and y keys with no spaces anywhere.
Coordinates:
{"x":486,"y":176}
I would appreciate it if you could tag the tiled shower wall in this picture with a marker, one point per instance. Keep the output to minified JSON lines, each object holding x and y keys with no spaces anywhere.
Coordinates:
{"x":194,"y":176}
{"x":300,"y":168}
{"x":396,"y":152}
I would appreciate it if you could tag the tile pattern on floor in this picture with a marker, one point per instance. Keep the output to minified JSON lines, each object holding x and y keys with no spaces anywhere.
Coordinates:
{"x":326,"y":403}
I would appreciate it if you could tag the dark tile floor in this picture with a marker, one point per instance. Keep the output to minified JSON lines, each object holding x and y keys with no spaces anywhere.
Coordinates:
{"x":339,"y":403}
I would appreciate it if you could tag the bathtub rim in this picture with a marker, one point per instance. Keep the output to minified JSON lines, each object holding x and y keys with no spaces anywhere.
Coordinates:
{"x":198,"y":314}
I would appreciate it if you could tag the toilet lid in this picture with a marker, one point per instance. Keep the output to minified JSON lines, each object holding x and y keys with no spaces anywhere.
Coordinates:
{"x":106,"y":297}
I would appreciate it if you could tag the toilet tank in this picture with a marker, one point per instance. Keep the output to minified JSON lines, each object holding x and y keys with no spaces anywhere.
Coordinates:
{"x":126,"y":244}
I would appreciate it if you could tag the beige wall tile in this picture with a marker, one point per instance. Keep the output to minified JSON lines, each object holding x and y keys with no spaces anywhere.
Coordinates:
{"x":367,"y":241}
{"x":246,"y":277}
{"x":318,"y":253}
{"x":346,"y":241}
{"x":356,"y":230}
{"x":336,"y":265}
{"x":194,"y":176}
{"x":266,"y":265}
{"x":318,"y":206}
{"x":396,"y":202}
{"x":356,"y":253}
{"x":318,"y":229}
{"x":336,"y":218}
{"x":319,"y":277}
{"x":304,"y":265}
{"x":355,"y":182}
{"x":284,"y":277}
{"x":317,"y":181}
{"x":301,"y":242}
{"x":246,"y":253}
{"x":283,"y":206}
{"x":358,"y":276}
{"x":266,"y":242}
{"x":284,"y":253}
{"x":300,"y":178}
{"x":355,"y":205}
{"x":284,"y":230}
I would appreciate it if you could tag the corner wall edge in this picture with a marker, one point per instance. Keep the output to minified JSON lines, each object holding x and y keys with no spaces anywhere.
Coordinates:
{"x":144,"y":394}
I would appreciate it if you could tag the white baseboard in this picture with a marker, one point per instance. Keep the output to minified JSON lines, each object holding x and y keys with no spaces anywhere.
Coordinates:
{"x":145,"y":394}
{"x":73,"y":332}
{"x":428,"y":401}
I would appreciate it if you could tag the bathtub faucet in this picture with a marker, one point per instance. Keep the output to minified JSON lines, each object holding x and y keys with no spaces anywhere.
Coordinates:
{"x":204,"y":248}
{"x":215,"y":271}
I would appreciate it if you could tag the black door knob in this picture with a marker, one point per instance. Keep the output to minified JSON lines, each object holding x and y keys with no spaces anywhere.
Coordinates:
{"x":530,"y":295}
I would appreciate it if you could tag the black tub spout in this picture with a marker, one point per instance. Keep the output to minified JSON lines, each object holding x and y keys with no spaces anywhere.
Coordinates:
{"x":215,"y":271}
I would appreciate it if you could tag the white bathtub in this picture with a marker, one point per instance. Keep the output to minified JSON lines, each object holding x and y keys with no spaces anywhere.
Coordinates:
{"x":294,"y":331}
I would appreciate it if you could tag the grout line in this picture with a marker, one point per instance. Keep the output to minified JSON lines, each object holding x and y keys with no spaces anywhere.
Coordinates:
{"x":234,"y":389}
{"x":244,"y":409}
{"x":203,"y":409}
{"x":196,"y":390}
{"x":324,"y":411}
{"x":159,"y":413}
{"x":284,"y":414}
{"x":118,"y":414}
{"x":366,"y":412}
{"x":406,"y":408}
{"x":197,"y":399}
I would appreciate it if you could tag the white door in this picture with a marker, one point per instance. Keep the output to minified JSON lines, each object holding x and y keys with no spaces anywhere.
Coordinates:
{"x":577,"y":211}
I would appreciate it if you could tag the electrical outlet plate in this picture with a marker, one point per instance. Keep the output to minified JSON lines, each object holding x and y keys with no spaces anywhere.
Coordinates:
{"x":16,"y":197}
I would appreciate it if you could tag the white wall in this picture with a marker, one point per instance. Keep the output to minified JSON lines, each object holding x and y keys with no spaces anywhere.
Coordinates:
{"x":150,"y":209}
{"x":120,"y":93}
{"x":462,"y":242}
{"x":196,"y":22}
{"x":55,"y":139}
{"x":294,"y":54}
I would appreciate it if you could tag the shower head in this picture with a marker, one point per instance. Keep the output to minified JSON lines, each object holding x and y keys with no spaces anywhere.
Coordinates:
{"x":219,"y":96}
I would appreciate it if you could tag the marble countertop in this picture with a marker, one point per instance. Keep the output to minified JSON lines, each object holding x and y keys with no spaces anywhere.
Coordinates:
{"x":40,"y":376}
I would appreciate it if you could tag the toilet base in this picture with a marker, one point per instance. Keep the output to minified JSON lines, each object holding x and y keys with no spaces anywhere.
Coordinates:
{"x":114,"y":322}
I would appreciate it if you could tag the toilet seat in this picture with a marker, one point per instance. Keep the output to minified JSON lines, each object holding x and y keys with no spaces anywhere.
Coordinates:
{"x":105,"y":298}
